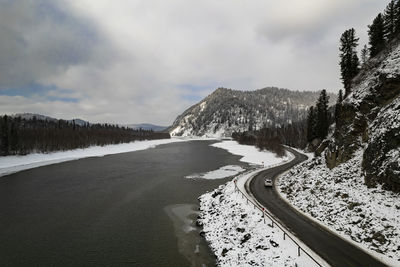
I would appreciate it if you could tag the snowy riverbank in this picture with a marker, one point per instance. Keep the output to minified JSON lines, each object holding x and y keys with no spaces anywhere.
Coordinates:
{"x":340,"y":200}
{"x":250,"y":153}
{"x":235,"y":230}
{"x":12,"y":164}
{"x":238,"y":234}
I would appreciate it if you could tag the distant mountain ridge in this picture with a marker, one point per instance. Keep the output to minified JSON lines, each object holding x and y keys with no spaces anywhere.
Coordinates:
{"x":30,"y":116}
{"x":226,"y":111}
{"x":80,"y":122}
{"x":147,"y":126}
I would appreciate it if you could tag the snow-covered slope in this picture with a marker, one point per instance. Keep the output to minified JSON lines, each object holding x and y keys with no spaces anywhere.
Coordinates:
{"x":370,"y":120}
{"x":339,"y":199}
{"x":347,"y":187}
{"x":226,"y":111}
{"x":239,"y":235}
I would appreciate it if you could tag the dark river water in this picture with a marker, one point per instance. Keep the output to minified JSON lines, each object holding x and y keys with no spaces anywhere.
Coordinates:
{"x":131,"y":209}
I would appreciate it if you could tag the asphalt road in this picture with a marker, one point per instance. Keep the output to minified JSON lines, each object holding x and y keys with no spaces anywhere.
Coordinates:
{"x":334,"y":250}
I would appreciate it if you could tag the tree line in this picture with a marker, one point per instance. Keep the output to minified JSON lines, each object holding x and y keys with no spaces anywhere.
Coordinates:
{"x":295,"y":134}
{"x":319,"y":118}
{"x":19,"y":136}
{"x":384,"y":28}
{"x":273,"y":138}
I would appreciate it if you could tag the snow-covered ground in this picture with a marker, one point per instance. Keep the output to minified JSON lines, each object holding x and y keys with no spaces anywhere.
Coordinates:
{"x":236,"y":231}
{"x":11,"y":164}
{"x":339,"y":199}
{"x":223,"y":172}
{"x":250,"y":153}
{"x":239,"y":235}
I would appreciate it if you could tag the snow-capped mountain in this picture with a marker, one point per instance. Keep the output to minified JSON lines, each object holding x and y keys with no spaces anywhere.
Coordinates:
{"x":226,"y":111}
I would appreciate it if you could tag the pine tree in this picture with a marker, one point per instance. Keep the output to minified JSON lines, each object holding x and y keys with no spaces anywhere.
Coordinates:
{"x":376,"y":35}
{"x":338,"y":108}
{"x":311,"y":125}
{"x":4,"y":136}
{"x":13,"y":138}
{"x":322,"y":124}
{"x":355,"y":68}
{"x":349,"y":63}
{"x":397,"y":19}
{"x":364,"y":55}
{"x":390,"y":20}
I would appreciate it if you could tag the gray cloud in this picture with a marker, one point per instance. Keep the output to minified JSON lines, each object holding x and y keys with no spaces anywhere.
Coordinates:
{"x":38,"y":40}
{"x":148,"y":60}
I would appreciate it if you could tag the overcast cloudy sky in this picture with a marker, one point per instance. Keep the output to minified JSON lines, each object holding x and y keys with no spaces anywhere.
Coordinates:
{"x":132,"y":61}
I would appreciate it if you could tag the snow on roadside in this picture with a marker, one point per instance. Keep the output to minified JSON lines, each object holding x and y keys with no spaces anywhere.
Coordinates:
{"x":223,"y":172}
{"x":309,"y":155}
{"x":250,"y":153}
{"x":235,"y":230}
{"x":239,"y":236}
{"x":339,"y":199}
{"x":12,"y":164}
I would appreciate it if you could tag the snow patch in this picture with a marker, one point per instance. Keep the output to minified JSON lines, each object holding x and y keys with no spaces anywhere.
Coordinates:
{"x":223,"y":172}
{"x":340,"y":200}
{"x":250,"y":153}
{"x":389,"y":67}
{"x":239,"y":235}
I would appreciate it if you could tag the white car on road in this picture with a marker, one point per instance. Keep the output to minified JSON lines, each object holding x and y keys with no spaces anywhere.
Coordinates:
{"x":268,"y":182}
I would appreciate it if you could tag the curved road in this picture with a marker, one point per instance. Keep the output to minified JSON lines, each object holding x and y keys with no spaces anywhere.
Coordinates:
{"x":334,"y":250}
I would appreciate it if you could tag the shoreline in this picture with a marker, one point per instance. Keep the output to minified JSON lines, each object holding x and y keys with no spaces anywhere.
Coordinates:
{"x":13,"y":164}
{"x":229,"y":223}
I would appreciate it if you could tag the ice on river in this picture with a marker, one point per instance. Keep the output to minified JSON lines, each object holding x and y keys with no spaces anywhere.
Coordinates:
{"x":223,"y":172}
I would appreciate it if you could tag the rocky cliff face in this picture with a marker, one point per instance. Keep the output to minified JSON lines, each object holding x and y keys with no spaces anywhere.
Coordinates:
{"x":226,"y":111}
{"x":370,"y":120}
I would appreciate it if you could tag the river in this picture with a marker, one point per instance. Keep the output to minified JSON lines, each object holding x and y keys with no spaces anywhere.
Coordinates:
{"x":130,"y":209}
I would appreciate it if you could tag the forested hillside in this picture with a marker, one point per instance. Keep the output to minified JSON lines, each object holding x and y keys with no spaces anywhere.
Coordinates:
{"x":22,"y":136}
{"x":353,"y":183}
{"x":295,"y":134}
{"x":368,"y":117}
{"x":226,"y":111}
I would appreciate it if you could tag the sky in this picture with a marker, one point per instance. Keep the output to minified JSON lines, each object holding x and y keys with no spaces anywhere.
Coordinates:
{"x":135,"y":61}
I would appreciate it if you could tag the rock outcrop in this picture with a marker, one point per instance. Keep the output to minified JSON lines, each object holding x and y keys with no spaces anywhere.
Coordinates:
{"x":370,"y":120}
